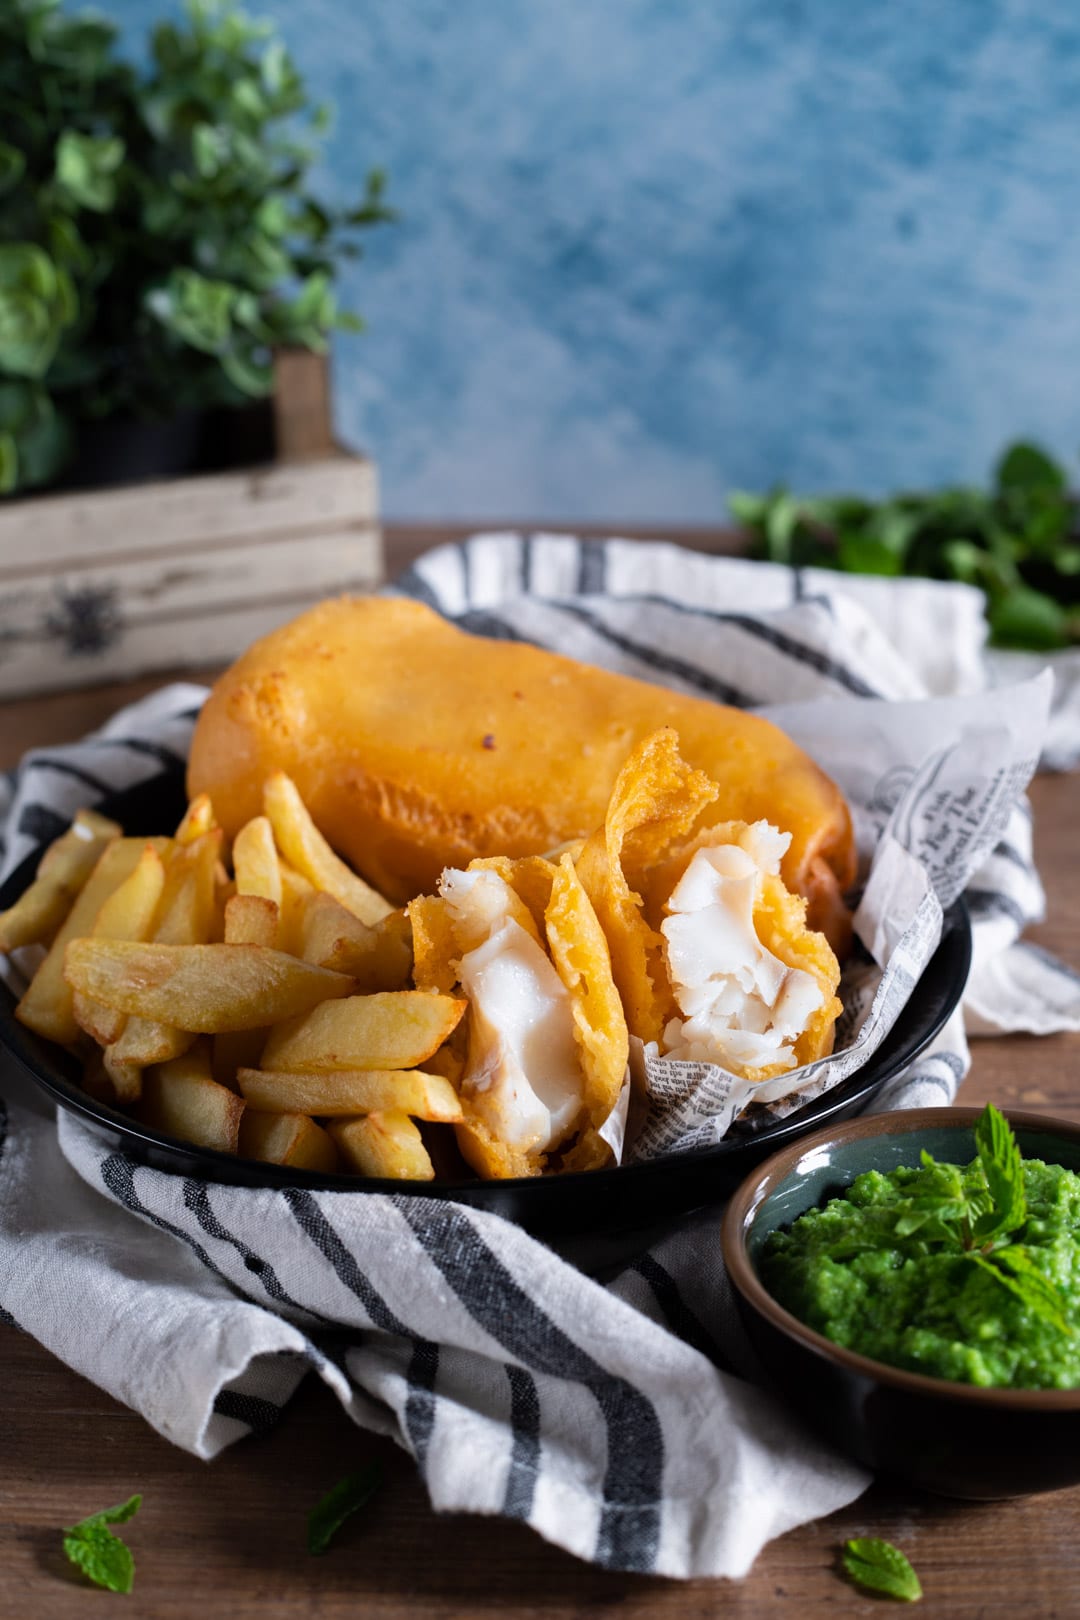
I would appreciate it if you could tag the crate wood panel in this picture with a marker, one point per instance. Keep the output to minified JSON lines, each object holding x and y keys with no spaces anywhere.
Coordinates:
{"x":192,"y":514}
{"x":109,"y":620}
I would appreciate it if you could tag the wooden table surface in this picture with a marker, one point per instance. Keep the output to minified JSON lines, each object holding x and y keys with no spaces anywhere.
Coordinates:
{"x":227,"y":1539}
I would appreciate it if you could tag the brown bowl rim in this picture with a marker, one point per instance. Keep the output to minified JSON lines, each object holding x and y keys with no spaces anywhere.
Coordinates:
{"x":762,"y":1181}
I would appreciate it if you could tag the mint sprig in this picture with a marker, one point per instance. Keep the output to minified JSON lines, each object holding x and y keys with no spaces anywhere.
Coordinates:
{"x":976,"y":1213}
{"x":881,"y":1567}
{"x":1015,"y":1270}
{"x":102,"y":1556}
{"x":1003,"y":1168}
{"x":340,"y":1503}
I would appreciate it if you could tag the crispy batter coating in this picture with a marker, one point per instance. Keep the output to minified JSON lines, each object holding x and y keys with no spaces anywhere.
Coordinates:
{"x":417,"y":746}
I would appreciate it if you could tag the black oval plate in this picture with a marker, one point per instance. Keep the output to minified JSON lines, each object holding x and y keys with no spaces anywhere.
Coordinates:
{"x":598,"y":1217}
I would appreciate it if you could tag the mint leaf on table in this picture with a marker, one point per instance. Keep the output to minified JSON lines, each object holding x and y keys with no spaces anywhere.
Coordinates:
{"x":340,"y":1503}
{"x":881,"y":1567}
{"x":102,"y":1556}
{"x":1003,"y":1168}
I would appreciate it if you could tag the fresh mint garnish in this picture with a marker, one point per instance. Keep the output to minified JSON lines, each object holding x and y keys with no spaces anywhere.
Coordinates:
{"x":1015,"y":1270}
{"x":340,"y":1503}
{"x":1004,"y":1171}
{"x":881,"y":1567}
{"x":102,"y":1556}
{"x":976,"y":1211}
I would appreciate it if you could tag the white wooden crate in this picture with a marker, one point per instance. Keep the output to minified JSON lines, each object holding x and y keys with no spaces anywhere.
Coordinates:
{"x":107,"y":584}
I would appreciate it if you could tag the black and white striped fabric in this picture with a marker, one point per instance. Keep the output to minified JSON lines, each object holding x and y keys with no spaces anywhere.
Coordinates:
{"x":618,"y":1420}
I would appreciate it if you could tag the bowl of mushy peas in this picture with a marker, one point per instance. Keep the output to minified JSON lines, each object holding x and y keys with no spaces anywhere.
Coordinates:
{"x":911,"y":1285}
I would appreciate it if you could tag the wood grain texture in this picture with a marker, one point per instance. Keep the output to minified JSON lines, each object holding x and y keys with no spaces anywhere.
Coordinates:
{"x":227,"y":1539}
{"x":140,"y":520}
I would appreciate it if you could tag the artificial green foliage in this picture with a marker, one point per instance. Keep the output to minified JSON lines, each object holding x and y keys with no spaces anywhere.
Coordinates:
{"x":158,"y":239}
{"x":1018,"y":541}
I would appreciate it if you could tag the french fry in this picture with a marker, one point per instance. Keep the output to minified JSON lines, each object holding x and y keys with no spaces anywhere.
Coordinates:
{"x":180,"y":1099}
{"x":185,"y":917}
{"x":255,"y":861}
{"x":205,"y":988}
{"x":393,"y":1030}
{"x":252,"y":920}
{"x":249,"y":920}
{"x":349,"y":1092}
{"x":378,"y":957}
{"x":290,"y":1139}
{"x":296,"y":895}
{"x":63,"y":870}
{"x":198,"y":820}
{"x":224,"y":891}
{"x":47,"y":1006}
{"x":128,"y":913}
{"x":304,"y":846}
{"x":387,"y":1145}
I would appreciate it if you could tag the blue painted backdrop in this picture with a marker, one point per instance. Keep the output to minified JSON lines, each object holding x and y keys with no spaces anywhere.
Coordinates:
{"x":653,"y":250}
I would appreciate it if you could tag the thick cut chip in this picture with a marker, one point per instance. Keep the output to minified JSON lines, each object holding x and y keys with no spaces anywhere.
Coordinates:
{"x":61,"y":874}
{"x":48,"y":1005}
{"x":296,"y":896}
{"x":205,"y":988}
{"x":186,"y":916}
{"x":349,"y":1092}
{"x":379,"y":956}
{"x":304,"y":847}
{"x":290,"y":1139}
{"x":252,"y":920}
{"x":387,"y":1145}
{"x":255,"y":860}
{"x":395,"y":1030}
{"x":656,"y":798}
{"x":179,"y":1099}
{"x":198,"y":820}
{"x":128,"y":913}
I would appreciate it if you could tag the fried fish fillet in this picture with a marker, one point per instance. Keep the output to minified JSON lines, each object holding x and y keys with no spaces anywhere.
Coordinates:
{"x":419,"y":747}
{"x":709,"y":950}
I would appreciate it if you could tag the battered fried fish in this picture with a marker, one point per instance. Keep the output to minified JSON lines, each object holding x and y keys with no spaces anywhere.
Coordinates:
{"x":419,"y":747}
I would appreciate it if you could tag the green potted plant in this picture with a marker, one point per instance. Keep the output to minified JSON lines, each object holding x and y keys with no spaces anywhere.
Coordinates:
{"x":158,"y":238}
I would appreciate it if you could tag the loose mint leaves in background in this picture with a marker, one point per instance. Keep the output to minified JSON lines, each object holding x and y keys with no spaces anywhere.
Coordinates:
{"x":1017,"y":541}
{"x":347,"y":1497}
{"x":881,"y":1567}
{"x":102,"y":1556}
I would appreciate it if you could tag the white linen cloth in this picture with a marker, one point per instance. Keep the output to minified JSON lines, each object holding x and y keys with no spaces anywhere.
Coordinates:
{"x":615,"y":1420}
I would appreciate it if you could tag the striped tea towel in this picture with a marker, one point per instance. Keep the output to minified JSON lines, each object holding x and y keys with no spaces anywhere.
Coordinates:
{"x":617,"y":1421}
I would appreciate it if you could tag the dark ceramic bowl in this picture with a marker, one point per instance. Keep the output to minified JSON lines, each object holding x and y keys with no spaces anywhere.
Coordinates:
{"x":950,"y":1438}
{"x":600,"y":1218}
